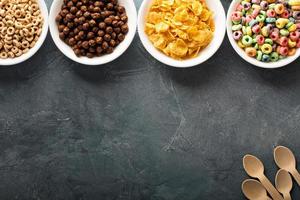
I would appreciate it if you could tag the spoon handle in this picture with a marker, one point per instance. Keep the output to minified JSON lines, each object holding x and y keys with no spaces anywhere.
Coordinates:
{"x":270,"y":188}
{"x":287,"y":196}
{"x":296,"y":176}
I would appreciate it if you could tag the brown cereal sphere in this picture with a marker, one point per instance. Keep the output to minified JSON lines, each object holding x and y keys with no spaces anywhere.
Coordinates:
{"x":102,"y":25}
{"x":101,"y":33}
{"x":92,"y":27}
{"x":90,"y":35}
{"x":107,"y":37}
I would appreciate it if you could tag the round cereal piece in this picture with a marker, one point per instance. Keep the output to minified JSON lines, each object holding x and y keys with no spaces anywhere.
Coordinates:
{"x":259,"y":55}
{"x":292,"y":52}
{"x":25,"y":44}
{"x":10,"y":54}
{"x":3,"y":55}
{"x":265,"y":58}
{"x":274,"y":57}
{"x":250,"y":51}
{"x":19,"y":53}
{"x":266,"y":48}
{"x":247,"y":40}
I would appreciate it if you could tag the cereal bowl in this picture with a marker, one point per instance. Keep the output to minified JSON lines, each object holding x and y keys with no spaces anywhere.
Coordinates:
{"x":102,"y":59}
{"x":220,"y":20}
{"x":39,"y":43}
{"x":242,"y":53}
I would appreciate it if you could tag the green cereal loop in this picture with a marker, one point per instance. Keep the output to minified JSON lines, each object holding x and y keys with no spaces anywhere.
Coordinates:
{"x":236,"y":27}
{"x":256,"y":46}
{"x":247,"y":40}
{"x":259,"y":55}
{"x":260,"y":18}
{"x":269,"y":41}
{"x":284,"y":32}
{"x":270,"y":20}
{"x":274,"y":56}
{"x":272,"y":6}
{"x":289,"y":25}
{"x":254,"y":40}
{"x":263,"y":13}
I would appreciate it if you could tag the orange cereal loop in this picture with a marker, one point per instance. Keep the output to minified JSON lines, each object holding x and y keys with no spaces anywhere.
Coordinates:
{"x":292,"y":52}
{"x":250,"y":51}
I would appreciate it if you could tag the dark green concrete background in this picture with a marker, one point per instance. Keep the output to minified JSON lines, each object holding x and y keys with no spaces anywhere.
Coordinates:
{"x":138,"y":130}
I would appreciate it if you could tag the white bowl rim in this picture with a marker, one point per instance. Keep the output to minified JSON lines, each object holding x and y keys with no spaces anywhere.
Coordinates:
{"x":103,"y":59}
{"x":158,"y":55}
{"x":253,"y":61}
{"x":37,"y":46}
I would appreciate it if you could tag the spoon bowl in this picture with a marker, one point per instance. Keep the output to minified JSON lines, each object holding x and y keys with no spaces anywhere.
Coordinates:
{"x":284,"y":183}
{"x":284,"y":158}
{"x":253,"y":166}
{"x":253,"y":189}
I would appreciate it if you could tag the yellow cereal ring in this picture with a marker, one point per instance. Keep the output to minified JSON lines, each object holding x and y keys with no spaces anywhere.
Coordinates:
{"x":266,"y":48}
{"x":292,"y":43}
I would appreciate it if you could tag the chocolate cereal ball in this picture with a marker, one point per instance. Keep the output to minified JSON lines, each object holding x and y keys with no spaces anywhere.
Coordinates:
{"x":92,"y":27}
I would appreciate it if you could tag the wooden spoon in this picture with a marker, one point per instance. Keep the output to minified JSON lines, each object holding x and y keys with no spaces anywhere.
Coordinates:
{"x":254,"y":190}
{"x":285,"y":159}
{"x":284,"y":183}
{"x":255,"y":168}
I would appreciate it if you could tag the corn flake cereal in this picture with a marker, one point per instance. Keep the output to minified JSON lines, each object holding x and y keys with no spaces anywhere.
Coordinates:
{"x":180,"y":28}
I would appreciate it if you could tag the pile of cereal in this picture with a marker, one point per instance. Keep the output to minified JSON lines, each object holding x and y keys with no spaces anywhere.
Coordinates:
{"x":267,"y":30}
{"x":20,"y":26}
{"x":92,"y":28}
{"x":180,"y":28}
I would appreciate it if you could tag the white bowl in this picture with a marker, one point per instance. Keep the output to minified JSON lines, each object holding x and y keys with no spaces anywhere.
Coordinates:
{"x":37,"y":46}
{"x":241,"y":52}
{"x":103,"y":59}
{"x":205,"y":54}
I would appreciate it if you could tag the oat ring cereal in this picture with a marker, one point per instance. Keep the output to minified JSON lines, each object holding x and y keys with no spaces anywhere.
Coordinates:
{"x":21,"y":25}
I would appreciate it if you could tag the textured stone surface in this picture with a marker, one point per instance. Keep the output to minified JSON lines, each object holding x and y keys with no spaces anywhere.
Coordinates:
{"x":138,"y":130}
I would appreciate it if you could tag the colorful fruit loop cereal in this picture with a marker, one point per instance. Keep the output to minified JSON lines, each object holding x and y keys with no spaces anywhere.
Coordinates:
{"x":180,"y":28}
{"x":267,"y":30}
